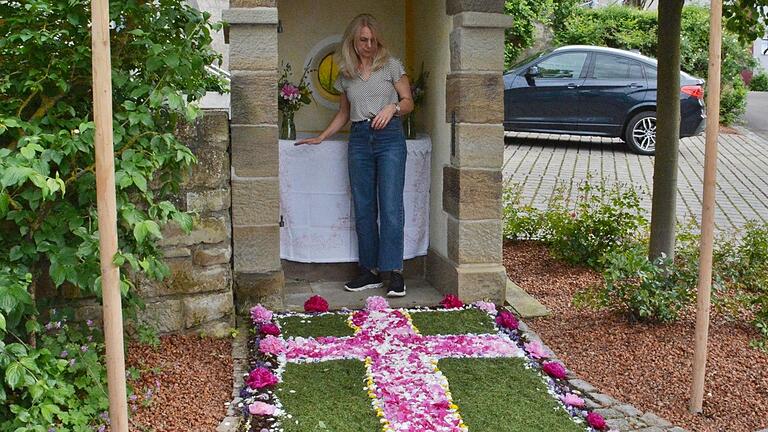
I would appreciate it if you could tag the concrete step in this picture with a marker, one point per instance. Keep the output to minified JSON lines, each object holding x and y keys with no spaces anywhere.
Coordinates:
{"x":523,"y":303}
{"x":419,"y":293}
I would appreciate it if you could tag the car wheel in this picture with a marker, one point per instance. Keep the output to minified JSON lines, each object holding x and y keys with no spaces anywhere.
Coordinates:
{"x":641,"y":133}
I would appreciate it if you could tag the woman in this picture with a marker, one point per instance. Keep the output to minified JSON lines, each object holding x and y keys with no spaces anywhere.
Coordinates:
{"x":374,"y":94}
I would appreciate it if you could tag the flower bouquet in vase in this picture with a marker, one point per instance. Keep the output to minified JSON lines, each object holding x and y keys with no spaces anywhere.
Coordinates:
{"x":418,"y":92}
{"x":291,"y":97}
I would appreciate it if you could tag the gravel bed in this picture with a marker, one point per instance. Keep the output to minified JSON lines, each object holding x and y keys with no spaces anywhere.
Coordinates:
{"x":195,"y":383}
{"x":647,"y":366}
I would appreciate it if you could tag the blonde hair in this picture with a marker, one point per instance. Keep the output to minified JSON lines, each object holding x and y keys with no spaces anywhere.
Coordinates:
{"x":348,"y":58}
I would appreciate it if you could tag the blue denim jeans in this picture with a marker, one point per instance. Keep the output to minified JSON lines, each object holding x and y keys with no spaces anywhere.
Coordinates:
{"x":377,"y":176}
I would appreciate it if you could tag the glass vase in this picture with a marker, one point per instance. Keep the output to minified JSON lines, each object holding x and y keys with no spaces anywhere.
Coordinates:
{"x":287,"y":126}
{"x":409,"y":126}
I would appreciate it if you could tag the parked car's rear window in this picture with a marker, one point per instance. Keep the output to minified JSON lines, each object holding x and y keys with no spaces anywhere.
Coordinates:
{"x":612,"y":67}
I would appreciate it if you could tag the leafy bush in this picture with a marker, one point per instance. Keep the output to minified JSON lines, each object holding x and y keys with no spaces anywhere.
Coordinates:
{"x":48,"y":211}
{"x":632,"y":29}
{"x":733,"y":101}
{"x":527,"y":13}
{"x":759,"y":82}
{"x":646,"y":291}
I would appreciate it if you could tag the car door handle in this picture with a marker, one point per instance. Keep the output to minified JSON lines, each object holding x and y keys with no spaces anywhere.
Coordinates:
{"x":635,"y":85}
{"x":572,"y":86}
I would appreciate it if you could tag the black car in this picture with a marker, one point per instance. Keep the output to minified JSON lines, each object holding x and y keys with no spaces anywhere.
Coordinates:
{"x":589,"y":90}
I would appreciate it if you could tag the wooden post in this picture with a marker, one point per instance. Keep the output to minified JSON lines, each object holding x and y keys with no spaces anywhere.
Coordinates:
{"x":708,"y":208}
{"x":107,"y":209}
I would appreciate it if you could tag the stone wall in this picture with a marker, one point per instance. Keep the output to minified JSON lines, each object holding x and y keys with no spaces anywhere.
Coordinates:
{"x":197,"y":296}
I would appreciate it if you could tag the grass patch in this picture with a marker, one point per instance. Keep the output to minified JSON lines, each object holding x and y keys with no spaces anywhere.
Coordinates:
{"x":329,"y":396}
{"x":453,"y":322}
{"x":500,"y":394}
{"x":324,"y":325}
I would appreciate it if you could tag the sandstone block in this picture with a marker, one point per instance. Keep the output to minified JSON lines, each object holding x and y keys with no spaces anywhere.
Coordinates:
{"x":475,"y":97}
{"x":253,"y":47}
{"x":250,"y":15}
{"x":453,"y":7}
{"x":255,"y":151}
{"x":209,"y":200}
{"x":208,"y":307}
{"x":255,"y":201}
{"x":186,"y":279}
{"x":472,"y":193}
{"x":164,"y":316}
{"x":208,"y":256}
{"x":482,"y":19}
{"x":210,"y":172}
{"x":209,"y":230}
{"x":254,"y":99}
{"x":264,"y":288}
{"x":474,"y":241}
{"x":213,"y":128}
{"x":479,"y":146}
{"x":481,"y":282}
{"x":477,"y":49}
{"x":257,"y":249}
{"x":179,"y":252}
{"x":218,"y":329}
{"x":252,"y":3}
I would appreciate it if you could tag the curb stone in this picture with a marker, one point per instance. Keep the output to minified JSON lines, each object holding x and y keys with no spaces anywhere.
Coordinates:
{"x":231,"y":421}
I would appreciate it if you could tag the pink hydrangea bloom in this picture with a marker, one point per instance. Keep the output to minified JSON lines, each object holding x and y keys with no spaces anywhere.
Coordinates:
{"x":488,"y":307}
{"x":507,"y":320}
{"x":260,"y":314}
{"x":269,"y":329}
{"x":316,"y":304}
{"x":555,"y":370}
{"x":451,"y":302}
{"x":262,"y":409}
{"x":596,"y":421}
{"x":271,"y":345}
{"x":535,"y":350}
{"x":376,"y":303}
{"x":571,"y":399}
{"x":261,"y":377}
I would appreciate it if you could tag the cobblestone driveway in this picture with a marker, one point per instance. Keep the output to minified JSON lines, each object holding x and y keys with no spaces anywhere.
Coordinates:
{"x":540,"y":162}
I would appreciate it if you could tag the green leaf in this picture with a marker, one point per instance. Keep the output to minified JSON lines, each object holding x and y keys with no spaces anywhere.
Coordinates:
{"x":5,"y":202}
{"x":140,"y":232}
{"x":2,"y":322}
{"x":14,"y":374}
{"x":139,"y":181}
{"x":15,"y":175}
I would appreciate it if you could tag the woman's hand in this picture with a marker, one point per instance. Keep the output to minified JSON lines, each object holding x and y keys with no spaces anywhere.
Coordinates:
{"x":383,"y":117}
{"x":313,"y":140}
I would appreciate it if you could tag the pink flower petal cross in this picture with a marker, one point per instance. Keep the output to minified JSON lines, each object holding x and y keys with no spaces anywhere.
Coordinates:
{"x":410,"y":393}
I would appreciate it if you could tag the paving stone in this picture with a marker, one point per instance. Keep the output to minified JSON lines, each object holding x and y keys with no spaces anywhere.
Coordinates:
{"x":523,"y":303}
{"x":604,"y":399}
{"x":654,"y":420}
{"x":618,"y":424}
{"x":610,"y":413}
{"x":582,"y":385}
{"x":628,"y":410}
{"x":651,"y":429}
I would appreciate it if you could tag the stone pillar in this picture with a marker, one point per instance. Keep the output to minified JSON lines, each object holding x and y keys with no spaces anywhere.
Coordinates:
{"x":255,"y":188}
{"x":472,"y":183}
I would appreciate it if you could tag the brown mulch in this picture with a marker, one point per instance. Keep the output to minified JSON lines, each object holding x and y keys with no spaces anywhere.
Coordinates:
{"x":648,"y":366}
{"x":190,"y":378}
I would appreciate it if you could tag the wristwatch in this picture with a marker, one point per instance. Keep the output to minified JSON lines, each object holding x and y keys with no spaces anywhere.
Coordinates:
{"x":397,"y":108}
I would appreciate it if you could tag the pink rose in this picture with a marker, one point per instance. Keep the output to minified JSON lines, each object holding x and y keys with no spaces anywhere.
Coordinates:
{"x":555,"y":370}
{"x":316,"y":304}
{"x":260,"y":314}
{"x":261,"y":377}
{"x":270,"y":329}
{"x":376,"y":303}
{"x":262,"y":409}
{"x":451,"y":302}
{"x":488,"y":307}
{"x":506,"y":320}
{"x":571,"y":399}
{"x":271,"y":345}
{"x":535,"y":350}
{"x":596,"y":421}
{"x":359,"y":317}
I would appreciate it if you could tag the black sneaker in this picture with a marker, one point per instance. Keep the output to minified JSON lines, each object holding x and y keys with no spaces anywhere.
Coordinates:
{"x":366,"y":280}
{"x":396,"y":285}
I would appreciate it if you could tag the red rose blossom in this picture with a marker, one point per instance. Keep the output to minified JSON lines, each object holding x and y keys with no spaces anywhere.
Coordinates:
{"x":270,"y":329}
{"x":261,"y":377}
{"x":596,"y":421}
{"x":555,"y":370}
{"x":451,"y":302}
{"x":316,"y":304}
{"x":507,"y":320}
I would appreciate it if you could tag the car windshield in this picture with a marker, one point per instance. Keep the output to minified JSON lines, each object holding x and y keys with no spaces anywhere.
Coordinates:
{"x":530,"y":58}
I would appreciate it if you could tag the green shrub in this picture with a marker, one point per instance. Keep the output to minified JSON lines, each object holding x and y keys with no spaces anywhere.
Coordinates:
{"x":521,"y":222}
{"x":527,"y":13}
{"x":643,"y":290}
{"x":48,"y":216}
{"x":733,"y":101}
{"x":759,"y":82}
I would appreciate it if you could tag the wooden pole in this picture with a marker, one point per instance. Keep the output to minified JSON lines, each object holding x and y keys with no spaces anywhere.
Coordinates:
{"x":708,"y":208}
{"x":107,"y":209}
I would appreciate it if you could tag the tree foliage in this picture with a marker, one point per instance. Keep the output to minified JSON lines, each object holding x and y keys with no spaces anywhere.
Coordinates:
{"x":48,"y":217}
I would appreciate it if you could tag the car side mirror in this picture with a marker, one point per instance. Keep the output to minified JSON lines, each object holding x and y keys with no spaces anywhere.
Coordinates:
{"x":533,"y":71}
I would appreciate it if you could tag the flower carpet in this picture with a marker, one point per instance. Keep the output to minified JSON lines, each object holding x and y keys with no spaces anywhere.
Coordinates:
{"x":453,"y":368}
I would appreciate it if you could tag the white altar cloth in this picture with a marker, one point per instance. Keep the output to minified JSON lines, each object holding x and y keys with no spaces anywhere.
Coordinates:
{"x":316,"y":203}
